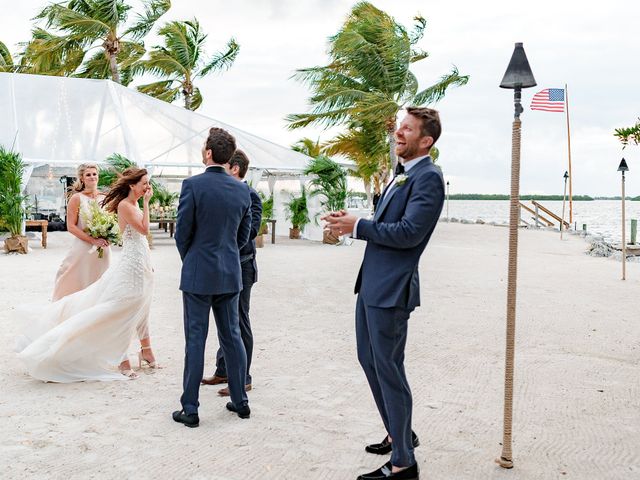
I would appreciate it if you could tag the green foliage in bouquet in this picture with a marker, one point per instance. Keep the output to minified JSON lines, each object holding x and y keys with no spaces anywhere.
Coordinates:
{"x":101,"y":224}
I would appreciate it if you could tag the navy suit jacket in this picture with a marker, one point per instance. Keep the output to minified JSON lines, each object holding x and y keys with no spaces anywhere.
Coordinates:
{"x":256,"y":219}
{"x":396,"y":237}
{"x":213,"y":224}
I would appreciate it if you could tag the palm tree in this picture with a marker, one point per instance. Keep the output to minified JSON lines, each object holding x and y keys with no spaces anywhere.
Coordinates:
{"x":84,"y":25}
{"x":181,"y":60}
{"x":368,"y":79}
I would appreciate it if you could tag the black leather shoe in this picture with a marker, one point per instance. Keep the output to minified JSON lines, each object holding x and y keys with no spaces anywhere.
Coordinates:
{"x":384,"y":472}
{"x":243,"y":412}
{"x":385,"y":446}
{"x":191,"y":420}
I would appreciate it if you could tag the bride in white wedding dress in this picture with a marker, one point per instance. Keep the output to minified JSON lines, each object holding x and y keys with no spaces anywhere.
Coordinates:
{"x":86,"y":335}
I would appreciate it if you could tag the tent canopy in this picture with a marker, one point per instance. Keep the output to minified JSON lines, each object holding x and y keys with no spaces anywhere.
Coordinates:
{"x":68,"y":121}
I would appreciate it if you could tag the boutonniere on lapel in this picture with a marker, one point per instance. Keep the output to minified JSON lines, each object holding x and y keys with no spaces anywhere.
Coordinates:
{"x":401,"y":179}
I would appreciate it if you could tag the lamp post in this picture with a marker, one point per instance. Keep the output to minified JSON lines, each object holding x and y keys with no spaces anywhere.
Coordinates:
{"x":564,"y":199}
{"x":517,"y":77}
{"x":447,"y":200}
{"x":623,"y":168}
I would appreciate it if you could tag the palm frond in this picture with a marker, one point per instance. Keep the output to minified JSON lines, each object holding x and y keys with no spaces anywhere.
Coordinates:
{"x":162,"y":90}
{"x":79,"y":25}
{"x":222,"y":60}
{"x":97,"y":66}
{"x":181,"y":44}
{"x":6,"y":60}
{"x":196,"y":99}
{"x":307,"y":146}
{"x":436,"y":92}
{"x":50,"y":54}
{"x":153,"y":10}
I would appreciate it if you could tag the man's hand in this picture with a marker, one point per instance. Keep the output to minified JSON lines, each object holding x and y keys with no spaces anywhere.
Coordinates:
{"x":339,"y":223}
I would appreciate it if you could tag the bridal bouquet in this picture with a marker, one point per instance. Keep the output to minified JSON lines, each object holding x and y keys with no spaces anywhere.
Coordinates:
{"x":101,"y":224}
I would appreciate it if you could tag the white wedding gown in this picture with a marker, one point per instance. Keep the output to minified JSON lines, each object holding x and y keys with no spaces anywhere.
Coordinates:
{"x":86,"y":335}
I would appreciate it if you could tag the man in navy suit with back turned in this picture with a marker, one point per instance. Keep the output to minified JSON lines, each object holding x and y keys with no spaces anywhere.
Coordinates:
{"x":213,"y":224}
{"x":237,"y":167}
{"x":388,"y":286}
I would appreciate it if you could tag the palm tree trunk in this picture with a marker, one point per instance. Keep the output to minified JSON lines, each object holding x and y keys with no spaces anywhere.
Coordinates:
{"x":187,"y":101}
{"x":367,"y":190}
{"x":113,"y":64}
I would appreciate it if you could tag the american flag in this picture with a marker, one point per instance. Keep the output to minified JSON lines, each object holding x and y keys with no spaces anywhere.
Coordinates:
{"x":549,"y":100}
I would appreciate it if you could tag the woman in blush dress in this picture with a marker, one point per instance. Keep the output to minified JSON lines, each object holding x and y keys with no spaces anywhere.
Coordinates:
{"x":85,"y":335}
{"x":81,"y":267}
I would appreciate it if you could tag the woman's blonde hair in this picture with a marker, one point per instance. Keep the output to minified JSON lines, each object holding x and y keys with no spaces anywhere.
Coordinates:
{"x":78,"y":185}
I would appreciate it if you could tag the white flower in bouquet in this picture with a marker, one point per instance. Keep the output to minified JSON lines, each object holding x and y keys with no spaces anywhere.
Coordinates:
{"x":101,"y":224}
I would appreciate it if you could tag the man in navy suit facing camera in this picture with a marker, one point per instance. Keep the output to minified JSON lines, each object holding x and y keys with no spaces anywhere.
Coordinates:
{"x":388,"y":286}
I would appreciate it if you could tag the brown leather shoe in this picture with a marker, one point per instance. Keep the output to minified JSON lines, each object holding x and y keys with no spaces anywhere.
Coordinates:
{"x":224,"y":392}
{"x":215,"y":380}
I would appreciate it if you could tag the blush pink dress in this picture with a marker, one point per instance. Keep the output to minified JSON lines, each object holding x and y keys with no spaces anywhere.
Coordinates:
{"x":80,"y":268}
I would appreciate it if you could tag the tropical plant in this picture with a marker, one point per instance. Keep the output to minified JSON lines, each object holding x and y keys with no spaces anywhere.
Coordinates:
{"x":6,"y":60}
{"x":297,"y":210}
{"x":84,"y":25}
{"x":368,"y":79}
{"x":329,"y":182}
{"x":181,"y":60}
{"x":629,"y":135}
{"x":308,"y":147}
{"x":267,"y":209}
{"x":12,"y":202}
{"x":366,"y":147}
{"x":163,"y":197}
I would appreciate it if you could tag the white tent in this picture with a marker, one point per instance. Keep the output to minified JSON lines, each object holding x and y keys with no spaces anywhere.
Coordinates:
{"x":61,"y":120}
{"x":68,"y":121}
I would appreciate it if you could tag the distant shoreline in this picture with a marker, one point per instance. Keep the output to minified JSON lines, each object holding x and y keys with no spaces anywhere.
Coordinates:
{"x":497,"y":196}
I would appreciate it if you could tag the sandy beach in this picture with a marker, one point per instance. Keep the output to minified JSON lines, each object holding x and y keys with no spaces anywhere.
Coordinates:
{"x":577,"y":382}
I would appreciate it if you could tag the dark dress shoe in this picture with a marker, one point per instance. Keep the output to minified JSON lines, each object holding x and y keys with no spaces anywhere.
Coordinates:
{"x":215,"y":380}
{"x":384,"y":472}
{"x":243,"y":412}
{"x":224,"y":392}
{"x":188,"y":420}
{"x":385,"y":446}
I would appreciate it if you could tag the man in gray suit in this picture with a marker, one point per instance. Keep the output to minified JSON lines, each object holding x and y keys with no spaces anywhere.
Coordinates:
{"x":213,"y":224}
{"x":388,"y":286}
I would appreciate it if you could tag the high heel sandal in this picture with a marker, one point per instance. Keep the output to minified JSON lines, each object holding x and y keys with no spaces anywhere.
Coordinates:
{"x":143,"y":362}
{"x":128,"y":372}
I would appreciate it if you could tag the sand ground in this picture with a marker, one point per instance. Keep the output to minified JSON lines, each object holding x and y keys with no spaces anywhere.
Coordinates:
{"x":577,"y":385}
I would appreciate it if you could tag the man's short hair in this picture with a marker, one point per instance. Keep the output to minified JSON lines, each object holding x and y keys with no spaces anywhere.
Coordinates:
{"x":222,"y":145}
{"x":240,"y":159}
{"x":430,"y":118}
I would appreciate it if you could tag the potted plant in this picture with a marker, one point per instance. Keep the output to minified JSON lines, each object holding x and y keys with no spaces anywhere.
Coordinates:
{"x":329,"y":181}
{"x":267,"y":214}
{"x":12,"y":207}
{"x":298,"y":214}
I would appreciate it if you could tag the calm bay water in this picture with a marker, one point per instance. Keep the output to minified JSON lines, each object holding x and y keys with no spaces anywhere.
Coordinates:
{"x":603,"y":217}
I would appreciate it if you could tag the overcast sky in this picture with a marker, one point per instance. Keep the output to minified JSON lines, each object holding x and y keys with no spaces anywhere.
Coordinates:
{"x":593,"y":50}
